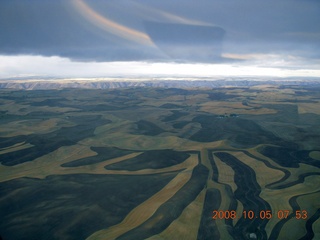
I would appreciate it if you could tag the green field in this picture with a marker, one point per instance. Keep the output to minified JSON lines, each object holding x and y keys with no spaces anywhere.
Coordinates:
{"x":154,"y":163}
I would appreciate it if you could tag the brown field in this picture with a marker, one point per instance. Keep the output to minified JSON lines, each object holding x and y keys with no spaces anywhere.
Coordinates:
{"x":65,"y":141}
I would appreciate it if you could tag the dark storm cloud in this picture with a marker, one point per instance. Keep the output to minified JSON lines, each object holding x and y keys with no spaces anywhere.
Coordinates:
{"x":251,"y":26}
{"x":50,"y":28}
{"x":41,"y":27}
{"x":46,"y":27}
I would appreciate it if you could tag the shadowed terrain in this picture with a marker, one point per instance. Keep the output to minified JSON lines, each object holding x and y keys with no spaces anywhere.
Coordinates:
{"x":150,"y":159}
{"x":154,"y":163}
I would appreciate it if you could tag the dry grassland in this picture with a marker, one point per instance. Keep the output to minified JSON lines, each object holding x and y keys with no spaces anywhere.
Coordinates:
{"x":54,"y":109}
{"x":315,"y":155}
{"x":177,"y":100}
{"x":273,"y":93}
{"x":198,"y":146}
{"x":45,"y":165}
{"x":264,"y":174}
{"x":226,"y":176}
{"x":283,"y":130}
{"x":125,"y":133}
{"x":50,"y":164}
{"x":225,"y":203}
{"x":309,"y":108}
{"x":194,"y":100}
{"x":225,"y":198}
{"x":11,"y":107}
{"x":221,"y":107}
{"x":310,"y":203}
{"x":145,"y":210}
{"x":293,"y":229}
{"x":187,"y":225}
{"x":15,"y":147}
{"x":316,"y":229}
{"x":135,"y":142}
{"x":26,"y":127}
{"x":279,"y":199}
{"x":296,"y":172}
{"x":116,"y":134}
{"x":226,"y":173}
{"x":190,"y":162}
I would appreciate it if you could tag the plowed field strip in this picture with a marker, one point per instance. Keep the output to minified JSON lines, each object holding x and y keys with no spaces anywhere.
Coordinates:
{"x":248,"y":193}
{"x":145,"y":210}
{"x":187,"y":225}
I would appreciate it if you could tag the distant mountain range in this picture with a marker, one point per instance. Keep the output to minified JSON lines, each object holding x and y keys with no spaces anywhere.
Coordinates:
{"x":37,"y":84}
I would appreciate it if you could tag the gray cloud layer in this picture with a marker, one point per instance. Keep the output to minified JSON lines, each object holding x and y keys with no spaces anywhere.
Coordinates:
{"x":46,"y":27}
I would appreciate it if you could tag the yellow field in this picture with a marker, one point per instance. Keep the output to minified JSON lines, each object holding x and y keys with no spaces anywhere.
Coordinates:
{"x":138,"y":122}
{"x":315,"y":155}
{"x":145,"y":210}
{"x":186,"y":226}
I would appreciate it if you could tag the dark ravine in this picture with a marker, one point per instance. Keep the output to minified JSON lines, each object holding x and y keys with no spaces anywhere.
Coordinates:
{"x":248,"y":194}
{"x":310,"y":221}
{"x":208,"y":228}
{"x":215,"y":178}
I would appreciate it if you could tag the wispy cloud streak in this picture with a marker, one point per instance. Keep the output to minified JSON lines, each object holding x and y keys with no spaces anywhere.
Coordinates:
{"x":155,"y":14}
{"x":110,"y":26}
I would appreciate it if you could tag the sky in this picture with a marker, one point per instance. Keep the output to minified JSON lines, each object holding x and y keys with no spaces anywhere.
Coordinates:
{"x":123,"y":38}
